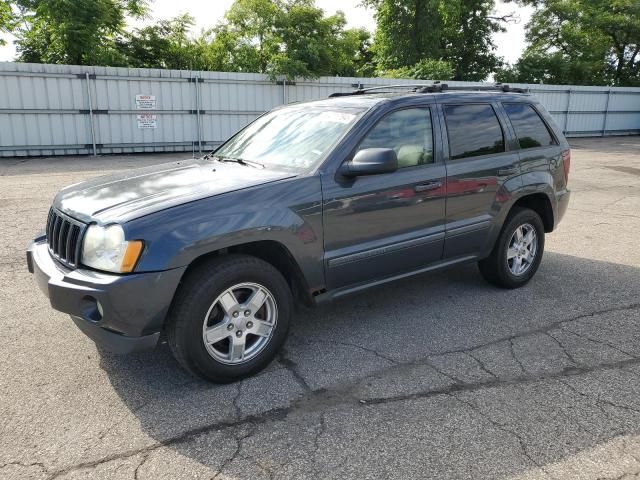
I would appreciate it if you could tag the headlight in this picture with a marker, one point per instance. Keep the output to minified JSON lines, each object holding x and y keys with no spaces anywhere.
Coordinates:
{"x":104,"y":248}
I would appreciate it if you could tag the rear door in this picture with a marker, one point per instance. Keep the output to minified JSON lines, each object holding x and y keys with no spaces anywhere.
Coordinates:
{"x":480,"y":162}
{"x":376,"y":226}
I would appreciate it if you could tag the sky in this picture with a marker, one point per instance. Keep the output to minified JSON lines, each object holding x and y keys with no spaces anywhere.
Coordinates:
{"x":207,"y":13}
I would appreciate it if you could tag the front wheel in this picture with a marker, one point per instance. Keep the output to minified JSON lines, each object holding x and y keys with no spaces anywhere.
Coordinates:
{"x":517,"y":253}
{"x":230,"y":317}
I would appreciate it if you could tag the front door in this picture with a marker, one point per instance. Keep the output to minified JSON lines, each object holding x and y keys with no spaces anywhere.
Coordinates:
{"x":380,"y":225}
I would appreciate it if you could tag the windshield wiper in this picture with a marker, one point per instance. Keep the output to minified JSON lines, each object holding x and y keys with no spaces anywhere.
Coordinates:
{"x":247,"y":163}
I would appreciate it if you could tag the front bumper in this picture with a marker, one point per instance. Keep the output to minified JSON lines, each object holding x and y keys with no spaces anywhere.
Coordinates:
{"x":132,"y":307}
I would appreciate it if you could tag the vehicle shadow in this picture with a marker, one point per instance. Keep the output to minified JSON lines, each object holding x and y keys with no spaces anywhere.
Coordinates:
{"x":372,"y":334}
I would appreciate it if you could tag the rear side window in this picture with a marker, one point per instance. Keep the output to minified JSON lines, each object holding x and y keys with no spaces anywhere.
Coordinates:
{"x":473,"y":130}
{"x":530,"y":129}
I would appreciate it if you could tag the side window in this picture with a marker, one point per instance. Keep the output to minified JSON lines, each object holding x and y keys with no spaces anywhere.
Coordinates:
{"x":530,"y":129}
{"x":408,"y":132}
{"x":473,"y":130}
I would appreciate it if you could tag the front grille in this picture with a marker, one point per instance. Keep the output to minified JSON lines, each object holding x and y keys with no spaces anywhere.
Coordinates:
{"x":64,"y":237}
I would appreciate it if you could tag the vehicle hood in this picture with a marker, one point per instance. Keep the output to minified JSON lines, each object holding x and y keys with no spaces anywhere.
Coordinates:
{"x":135,"y":193}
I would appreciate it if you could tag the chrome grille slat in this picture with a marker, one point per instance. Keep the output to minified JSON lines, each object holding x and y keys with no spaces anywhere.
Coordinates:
{"x":64,"y":236}
{"x":54,"y":237}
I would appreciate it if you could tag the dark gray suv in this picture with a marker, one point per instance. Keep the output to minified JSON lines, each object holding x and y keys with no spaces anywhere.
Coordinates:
{"x":309,"y":202}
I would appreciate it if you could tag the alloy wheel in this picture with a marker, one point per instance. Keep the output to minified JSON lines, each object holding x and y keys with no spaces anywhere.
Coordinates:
{"x":240,"y":323}
{"x":522,"y":250}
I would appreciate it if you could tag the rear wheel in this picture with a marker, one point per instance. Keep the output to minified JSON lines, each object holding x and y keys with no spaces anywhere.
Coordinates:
{"x":518,"y":251}
{"x":230,"y":318}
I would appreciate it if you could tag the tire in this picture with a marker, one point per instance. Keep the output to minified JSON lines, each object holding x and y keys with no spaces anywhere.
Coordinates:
{"x":499,"y":268}
{"x":203,"y":311}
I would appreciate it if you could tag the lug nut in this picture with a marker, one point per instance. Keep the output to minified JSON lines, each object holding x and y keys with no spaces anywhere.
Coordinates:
{"x":247,"y":313}
{"x":239,"y":333}
{"x":249,"y":324}
{"x":230,"y":326}
{"x":235,"y":314}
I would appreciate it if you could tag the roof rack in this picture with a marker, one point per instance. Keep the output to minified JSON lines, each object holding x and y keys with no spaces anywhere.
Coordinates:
{"x":435,"y":87}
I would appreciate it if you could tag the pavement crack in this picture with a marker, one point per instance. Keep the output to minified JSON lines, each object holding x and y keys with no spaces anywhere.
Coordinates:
{"x":502,"y":427}
{"x":515,"y":357}
{"x":599,"y":341}
{"x":322,"y":428}
{"x":145,"y":457}
{"x":293,"y":368}
{"x":481,"y":364}
{"x":544,"y":329}
{"x":352,"y":345}
{"x":455,"y":380}
{"x":563,"y":348}
{"x":236,"y":453}
{"x":40,"y":465}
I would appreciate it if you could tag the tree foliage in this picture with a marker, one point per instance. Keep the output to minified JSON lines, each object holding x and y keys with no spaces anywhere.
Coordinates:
{"x":72,"y":31}
{"x":425,"y":69}
{"x":277,"y":37}
{"x":6,"y":19}
{"x":594,"y":42}
{"x":456,"y":31}
{"x":290,"y":38}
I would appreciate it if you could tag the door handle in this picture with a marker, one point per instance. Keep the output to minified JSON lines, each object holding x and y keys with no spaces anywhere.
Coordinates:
{"x":508,"y":171}
{"x":425,"y":187}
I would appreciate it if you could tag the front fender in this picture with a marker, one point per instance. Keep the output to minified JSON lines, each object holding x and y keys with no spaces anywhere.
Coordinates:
{"x":288,"y":212}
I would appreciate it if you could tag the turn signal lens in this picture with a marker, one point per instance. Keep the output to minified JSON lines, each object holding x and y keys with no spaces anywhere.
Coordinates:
{"x":131,"y":256}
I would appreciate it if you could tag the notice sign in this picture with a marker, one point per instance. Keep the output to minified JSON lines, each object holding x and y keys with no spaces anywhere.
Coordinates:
{"x":147,"y":120}
{"x":146,"y":102}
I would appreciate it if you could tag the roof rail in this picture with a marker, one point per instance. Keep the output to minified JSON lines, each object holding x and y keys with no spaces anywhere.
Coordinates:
{"x":432,"y":88}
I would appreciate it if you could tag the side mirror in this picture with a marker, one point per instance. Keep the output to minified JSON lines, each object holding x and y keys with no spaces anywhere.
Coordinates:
{"x":371,"y":161}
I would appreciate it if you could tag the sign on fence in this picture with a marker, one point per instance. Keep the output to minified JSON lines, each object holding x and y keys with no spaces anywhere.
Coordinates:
{"x":146,"y":102}
{"x":147,"y":120}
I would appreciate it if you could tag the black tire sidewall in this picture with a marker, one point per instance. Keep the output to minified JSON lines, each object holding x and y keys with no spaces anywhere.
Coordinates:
{"x":520,"y":218}
{"x":194,"y":313}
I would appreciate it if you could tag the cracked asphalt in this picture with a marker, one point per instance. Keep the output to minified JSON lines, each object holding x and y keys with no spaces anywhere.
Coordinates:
{"x":439,"y":376}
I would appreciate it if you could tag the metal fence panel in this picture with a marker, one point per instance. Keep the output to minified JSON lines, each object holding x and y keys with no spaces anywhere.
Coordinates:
{"x":66,"y":109}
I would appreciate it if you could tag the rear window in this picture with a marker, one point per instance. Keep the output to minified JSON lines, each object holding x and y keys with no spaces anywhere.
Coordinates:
{"x":473,"y":130}
{"x":530,"y":129}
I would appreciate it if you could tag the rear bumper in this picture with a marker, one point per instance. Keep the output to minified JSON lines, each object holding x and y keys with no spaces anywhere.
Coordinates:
{"x":121,"y":313}
{"x":562,"y":202}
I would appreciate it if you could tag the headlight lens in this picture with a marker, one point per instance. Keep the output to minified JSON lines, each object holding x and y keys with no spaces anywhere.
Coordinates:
{"x":104,"y":248}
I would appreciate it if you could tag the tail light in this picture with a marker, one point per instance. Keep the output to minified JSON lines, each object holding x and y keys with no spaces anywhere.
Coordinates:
{"x":566,"y":164}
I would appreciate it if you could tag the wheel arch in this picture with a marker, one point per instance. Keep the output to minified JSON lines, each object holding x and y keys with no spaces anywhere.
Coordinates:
{"x":271,"y":251}
{"x":539,"y":203}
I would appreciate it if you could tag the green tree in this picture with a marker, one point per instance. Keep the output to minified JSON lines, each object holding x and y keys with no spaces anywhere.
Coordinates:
{"x":6,"y":19}
{"x":456,"y":31}
{"x":286,"y":38}
{"x":593,"y":42}
{"x":78,"y":32}
{"x":406,"y":31}
{"x":425,"y":69}
{"x":165,"y":44}
{"x":467,"y":37}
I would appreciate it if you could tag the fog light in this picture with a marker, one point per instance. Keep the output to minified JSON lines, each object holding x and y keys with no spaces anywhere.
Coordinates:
{"x":91,"y":309}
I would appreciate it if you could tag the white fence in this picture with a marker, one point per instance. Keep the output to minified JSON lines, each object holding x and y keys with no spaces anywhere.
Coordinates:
{"x":64,"y":110}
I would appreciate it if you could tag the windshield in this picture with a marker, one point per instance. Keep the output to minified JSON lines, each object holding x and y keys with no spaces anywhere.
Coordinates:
{"x":293,"y":138}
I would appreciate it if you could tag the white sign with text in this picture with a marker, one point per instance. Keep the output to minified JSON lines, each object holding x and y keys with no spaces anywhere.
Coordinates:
{"x":147,"y":120}
{"x":146,"y":102}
